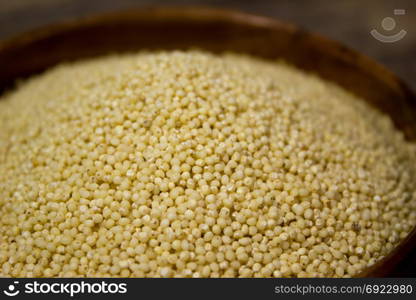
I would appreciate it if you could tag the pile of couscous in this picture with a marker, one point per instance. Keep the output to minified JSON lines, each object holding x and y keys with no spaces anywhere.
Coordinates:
{"x":189,"y":164}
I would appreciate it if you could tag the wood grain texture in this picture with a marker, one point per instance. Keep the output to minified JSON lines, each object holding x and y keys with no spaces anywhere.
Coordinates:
{"x":218,"y":30}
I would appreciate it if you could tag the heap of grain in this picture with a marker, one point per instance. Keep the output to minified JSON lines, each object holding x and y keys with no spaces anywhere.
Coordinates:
{"x":180,"y":164}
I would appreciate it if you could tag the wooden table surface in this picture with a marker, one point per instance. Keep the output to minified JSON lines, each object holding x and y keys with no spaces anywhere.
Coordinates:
{"x":347,"y":21}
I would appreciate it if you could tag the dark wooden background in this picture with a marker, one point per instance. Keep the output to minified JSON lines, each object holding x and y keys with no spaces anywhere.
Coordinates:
{"x":348,"y":21}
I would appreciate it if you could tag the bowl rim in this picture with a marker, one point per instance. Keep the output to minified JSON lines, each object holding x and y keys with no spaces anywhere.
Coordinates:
{"x":192,"y":12}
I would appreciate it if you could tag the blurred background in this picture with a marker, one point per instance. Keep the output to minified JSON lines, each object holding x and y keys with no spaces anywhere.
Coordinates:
{"x":348,"y":21}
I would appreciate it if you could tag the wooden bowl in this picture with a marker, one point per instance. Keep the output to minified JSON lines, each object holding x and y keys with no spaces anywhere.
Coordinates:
{"x":217,"y":30}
